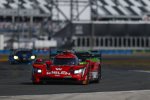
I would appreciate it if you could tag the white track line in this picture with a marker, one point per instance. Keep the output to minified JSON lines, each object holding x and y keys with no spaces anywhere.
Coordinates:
{"x":142,"y":71}
{"x":120,"y":95}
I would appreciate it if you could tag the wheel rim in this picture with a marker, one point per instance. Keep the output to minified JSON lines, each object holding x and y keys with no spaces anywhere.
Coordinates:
{"x":85,"y":82}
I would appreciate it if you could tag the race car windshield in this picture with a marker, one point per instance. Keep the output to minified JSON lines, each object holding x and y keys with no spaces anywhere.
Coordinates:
{"x":65,"y":61}
{"x":23,"y":52}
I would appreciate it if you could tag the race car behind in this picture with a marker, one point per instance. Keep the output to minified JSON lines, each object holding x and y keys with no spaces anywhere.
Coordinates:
{"x":20,"y":56}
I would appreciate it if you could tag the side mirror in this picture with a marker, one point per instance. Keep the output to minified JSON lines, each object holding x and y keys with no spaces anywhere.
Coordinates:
{"x":88,"y":61}
{"x":39,"y":60}
{"x":49,"y":62}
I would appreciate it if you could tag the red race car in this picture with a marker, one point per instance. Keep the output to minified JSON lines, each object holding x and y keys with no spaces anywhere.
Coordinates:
{"x":80,"y":67}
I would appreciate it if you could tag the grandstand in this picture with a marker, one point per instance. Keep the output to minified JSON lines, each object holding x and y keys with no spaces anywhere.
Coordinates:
{"x":110,"y":23}
{"x":123,"y":9}
{"x":100,"y":8}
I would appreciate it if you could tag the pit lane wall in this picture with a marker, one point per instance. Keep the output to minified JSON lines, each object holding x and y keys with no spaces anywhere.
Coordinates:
{"x":107,"y":35}
{"x":110,"y":28}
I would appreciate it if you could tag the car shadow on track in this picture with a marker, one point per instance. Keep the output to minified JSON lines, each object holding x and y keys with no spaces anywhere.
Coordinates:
{"x":51,"y":83}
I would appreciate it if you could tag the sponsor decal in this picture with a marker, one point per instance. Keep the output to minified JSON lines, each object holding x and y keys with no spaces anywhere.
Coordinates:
{"x":58,"y":73}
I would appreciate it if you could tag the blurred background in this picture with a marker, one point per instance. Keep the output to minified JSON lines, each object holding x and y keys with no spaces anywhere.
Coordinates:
{"x":109,"y":25}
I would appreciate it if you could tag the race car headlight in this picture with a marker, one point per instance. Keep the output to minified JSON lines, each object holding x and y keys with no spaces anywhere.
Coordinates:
{"x":39,"y":71}
{"x":32,"y":57}
{"x":36,"y":70}
{"x":78,"y":71}
{"x":16,"y":57}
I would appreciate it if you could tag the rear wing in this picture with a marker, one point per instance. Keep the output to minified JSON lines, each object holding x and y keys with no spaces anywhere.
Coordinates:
{"x":82,"y":55}
{"x":54,"y":52}
{"x":92,"y":54}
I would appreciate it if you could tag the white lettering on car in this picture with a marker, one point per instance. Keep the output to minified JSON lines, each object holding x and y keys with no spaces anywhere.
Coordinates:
{"x":59,"y":69}
{"x":58,"y":73}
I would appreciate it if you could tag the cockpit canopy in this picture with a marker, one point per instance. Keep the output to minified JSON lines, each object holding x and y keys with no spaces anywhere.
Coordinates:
{"x":66,"y":58}
{"x":65,"y":61}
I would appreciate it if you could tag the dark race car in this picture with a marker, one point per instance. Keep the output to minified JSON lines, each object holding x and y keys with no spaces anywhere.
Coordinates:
{"x":80,"y":67}
{"x":21,"y":56}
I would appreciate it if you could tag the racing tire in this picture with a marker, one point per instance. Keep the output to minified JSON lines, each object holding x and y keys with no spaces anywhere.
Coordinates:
{"x":86,"y":82}
{"x":99,"y":75}
{"x":35,"y":82}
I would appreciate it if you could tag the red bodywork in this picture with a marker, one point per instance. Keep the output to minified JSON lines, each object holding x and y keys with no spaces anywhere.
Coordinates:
{"x":46,"y":70}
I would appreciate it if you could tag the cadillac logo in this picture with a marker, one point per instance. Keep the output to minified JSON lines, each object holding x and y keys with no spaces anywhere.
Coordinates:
{"x":58,"y":69}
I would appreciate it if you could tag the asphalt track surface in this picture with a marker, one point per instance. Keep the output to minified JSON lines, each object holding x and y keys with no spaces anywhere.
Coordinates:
{"x":16,"y":80}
